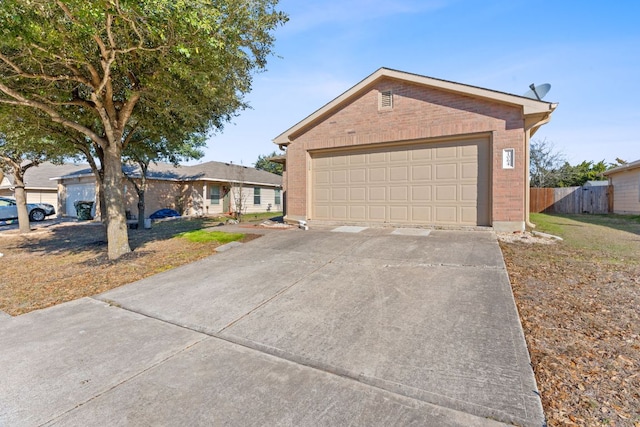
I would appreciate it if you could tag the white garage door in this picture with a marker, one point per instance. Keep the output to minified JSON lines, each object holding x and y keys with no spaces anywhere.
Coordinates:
{"x":445,"y":183}
{"x":84,"y":192}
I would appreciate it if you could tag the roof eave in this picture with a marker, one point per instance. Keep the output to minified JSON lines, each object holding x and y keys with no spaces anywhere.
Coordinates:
{"x":528,"y":105}
{"x":622,"y":168}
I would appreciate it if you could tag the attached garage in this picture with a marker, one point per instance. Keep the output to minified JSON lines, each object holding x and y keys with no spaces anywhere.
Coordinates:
{"x":400,"y":148}
{"x":439,"y":183}
{"x":79,"y":192}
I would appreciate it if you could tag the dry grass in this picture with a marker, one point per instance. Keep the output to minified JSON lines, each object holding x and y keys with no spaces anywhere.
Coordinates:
{"x":579,"y":303}
{"x":68,"y":261}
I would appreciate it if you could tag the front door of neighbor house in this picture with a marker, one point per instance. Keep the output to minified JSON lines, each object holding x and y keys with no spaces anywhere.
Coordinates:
{"x":225,"y":200}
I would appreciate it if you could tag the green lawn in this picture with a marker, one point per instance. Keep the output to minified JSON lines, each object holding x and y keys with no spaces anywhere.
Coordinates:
{"x":203,"y":236}
{"x":598,"y":235}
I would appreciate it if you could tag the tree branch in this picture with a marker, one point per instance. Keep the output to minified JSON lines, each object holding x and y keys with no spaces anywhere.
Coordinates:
{"x":55,"y":116}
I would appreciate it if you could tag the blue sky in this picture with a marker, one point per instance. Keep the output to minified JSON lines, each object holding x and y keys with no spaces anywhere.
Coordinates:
{"x":589,"y":51}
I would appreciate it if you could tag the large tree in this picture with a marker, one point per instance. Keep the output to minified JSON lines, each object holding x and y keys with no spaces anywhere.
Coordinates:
{"x":545,"y":168}
{"x":263,"y":163}
{"x":104,"y":68}
{"x":22,"y":148}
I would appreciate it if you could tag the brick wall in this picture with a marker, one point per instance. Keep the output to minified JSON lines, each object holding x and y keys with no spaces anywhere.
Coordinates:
{"x":418,"y":113}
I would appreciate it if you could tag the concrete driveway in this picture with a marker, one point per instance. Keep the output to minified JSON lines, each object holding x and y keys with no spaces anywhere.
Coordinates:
{"x":342,"y":326}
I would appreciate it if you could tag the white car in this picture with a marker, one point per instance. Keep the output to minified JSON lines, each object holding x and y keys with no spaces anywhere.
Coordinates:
{"x":37,"y":211}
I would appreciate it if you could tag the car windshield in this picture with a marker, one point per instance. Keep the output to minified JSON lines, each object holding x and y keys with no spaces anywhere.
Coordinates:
{"x":7,"y":202}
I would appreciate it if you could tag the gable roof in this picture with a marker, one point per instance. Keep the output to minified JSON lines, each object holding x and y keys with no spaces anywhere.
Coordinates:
{"x":209,"y":171}
{"x":530,"y":107}
{"x":622,"y":168}
{"x":39,"y":177}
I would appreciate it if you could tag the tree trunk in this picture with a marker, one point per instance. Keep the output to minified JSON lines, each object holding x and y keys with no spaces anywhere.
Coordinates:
{"x":141,"y":209}
{"x":117,"y":236}
{"x":21,"y":203}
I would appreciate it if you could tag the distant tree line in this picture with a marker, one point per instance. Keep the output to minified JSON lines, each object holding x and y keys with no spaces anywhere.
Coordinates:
{"x":549,"y":168}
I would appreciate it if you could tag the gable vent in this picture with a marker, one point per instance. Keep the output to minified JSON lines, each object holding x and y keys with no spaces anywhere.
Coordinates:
{"x":386,"y":100}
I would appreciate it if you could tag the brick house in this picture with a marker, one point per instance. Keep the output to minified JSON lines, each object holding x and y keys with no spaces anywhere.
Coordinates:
{"x":209,"y":188}
{"x":40,"y":184}
{"x":406,"y":149}
{"x":625,"y":180}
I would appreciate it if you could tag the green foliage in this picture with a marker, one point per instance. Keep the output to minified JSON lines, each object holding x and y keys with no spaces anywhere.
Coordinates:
{"x":21,"y":143}
{"x":264,"y":164}
{"x":190,"y":61}
{"x":204,"y":236}
{"x":107,"y":71}
{"x":578,"y":175}
{"x":548,"y":168}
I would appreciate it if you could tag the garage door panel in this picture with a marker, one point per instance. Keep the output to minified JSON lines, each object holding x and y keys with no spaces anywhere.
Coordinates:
{"x":323,"y":212}
{"x":322,"y":177}
{"x":469,"y":150}
{"x":399,"y":156}
{"x":322,"y":162}
{"x":377,"y":213}
{"x":446,"y":193}
{"x":421,"y":214}
{"x":425,"y":183}
{"x":421,"y":154}
{"x":468,"y":215}
{"x":399,"y":213}
{"x":357,"y":213}
{"x":323,"y":195}
{"x":378,"y":194}
{"x":399,"y":194}
{"x":338,"y":177}
{"x":339,"y":161}
{"x":469,"y":171}
{"x":357,"y":176}
{"x":378,"y":175}
{"x":339,"y":212}
{"x":399,"y":173}
{"x":420,"y":193}
{"x":468,"y":193}
{"x":357,"y":159}
{"x":378,"y":158}
{"x":357,"y":194}
{"x":446,"y":214}
{"x":446,"y":152}
{"x":421,"y":173}
{"x":339,"y":194}
{"x":446,"y":171}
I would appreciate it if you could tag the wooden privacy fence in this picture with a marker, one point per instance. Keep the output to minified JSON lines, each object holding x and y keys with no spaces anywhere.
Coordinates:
{"x":572,"y":200}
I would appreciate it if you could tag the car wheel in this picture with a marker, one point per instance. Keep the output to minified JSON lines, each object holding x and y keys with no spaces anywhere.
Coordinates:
{"x":37,"y":215}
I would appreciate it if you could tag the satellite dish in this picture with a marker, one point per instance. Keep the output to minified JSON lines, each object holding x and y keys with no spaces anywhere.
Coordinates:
{"x":538,"y":92}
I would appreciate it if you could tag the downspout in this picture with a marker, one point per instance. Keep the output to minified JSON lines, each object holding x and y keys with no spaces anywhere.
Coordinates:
{"x":527,"y":180}
{"x":527,"y":191}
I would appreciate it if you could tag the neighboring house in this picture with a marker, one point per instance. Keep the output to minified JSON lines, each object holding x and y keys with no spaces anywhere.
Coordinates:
{"x":207,"y":188}
{"x":625,"y":180}
{"x":402,"y":148}
{"x":38,"y":182}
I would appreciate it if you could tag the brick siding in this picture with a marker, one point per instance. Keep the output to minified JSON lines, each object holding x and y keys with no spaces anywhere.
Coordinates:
{"x":418,"y":113}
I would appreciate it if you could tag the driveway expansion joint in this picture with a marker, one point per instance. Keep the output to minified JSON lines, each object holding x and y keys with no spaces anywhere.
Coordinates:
{"x":402,"y":390}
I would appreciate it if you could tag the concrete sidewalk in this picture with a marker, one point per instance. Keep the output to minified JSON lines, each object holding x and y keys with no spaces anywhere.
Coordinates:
{"x":294,"y":328}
